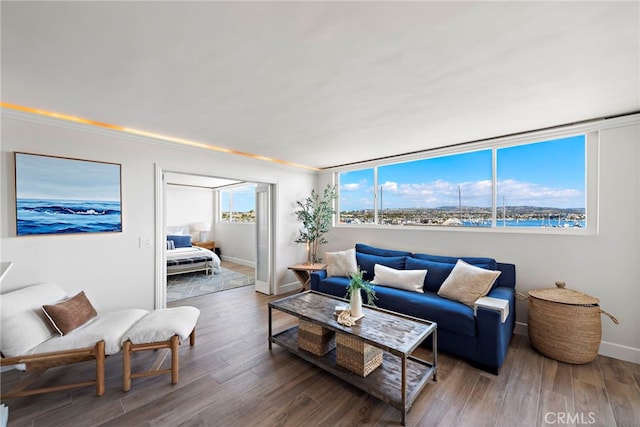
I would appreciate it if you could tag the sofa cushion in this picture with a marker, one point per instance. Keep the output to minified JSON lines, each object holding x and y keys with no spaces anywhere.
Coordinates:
{"x":161,"y":324}
{"x":367,"y":262}
{"x":69,"y":314}
{"x":341,"y":263}
{"x":336,"y":286}
{"x":109,"y":326}
{"x":449,"y":315}
{"x":488,"y":263}
{"x":22,"y":323}
{"x":180,"y":241}
{"x":409,"y":280}
{"x":467,"y":283}
{"x":437,"y":272}
{"x":372,"y":250}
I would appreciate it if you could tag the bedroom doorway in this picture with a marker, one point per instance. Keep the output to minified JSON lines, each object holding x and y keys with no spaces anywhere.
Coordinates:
{"x":249,"y":245}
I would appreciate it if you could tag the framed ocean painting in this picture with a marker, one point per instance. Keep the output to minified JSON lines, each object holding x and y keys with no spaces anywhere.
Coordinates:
{"x":59,"y":195}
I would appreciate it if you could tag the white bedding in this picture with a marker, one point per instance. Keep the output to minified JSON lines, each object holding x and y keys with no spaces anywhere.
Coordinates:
{"x":178,"y":253}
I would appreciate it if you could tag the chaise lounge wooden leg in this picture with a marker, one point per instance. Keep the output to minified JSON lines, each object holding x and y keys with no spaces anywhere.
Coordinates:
{"x":100,"y":368}
{"x":192,"y":338}
{"x":173,"y":345}
{"x":175,"y":363}
{"x":126,"y":366}
{"x":38,"y":364}
{"x":168,"y":327}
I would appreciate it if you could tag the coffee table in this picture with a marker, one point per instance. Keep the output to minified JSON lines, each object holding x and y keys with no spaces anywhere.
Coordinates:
{"x":395,"y":334}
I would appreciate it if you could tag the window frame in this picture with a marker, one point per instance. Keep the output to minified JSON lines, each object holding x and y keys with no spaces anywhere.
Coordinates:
{"x":591,"y":180}
{"x":220,"y":211}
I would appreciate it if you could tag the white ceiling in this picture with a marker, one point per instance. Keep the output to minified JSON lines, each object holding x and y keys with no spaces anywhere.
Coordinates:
{"x":324,"y":83}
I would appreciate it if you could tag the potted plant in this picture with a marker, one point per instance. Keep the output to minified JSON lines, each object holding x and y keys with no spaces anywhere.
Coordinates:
{"x":356,"y":284}
{"x":315,"y":212}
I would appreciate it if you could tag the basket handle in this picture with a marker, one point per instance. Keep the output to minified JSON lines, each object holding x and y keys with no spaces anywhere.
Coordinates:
{"x":521,"y":296}
{"x":613,"y":319}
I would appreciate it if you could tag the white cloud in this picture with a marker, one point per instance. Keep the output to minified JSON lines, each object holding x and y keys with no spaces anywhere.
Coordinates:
{"x":527,"y":193}
{"x":476,"y":193}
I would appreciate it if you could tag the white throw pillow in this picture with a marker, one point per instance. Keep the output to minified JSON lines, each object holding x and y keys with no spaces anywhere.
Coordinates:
{"x":409,"y":280}
{"x":466,"y":283}
{"x":341,"y":263}
{"x":24,"y":325}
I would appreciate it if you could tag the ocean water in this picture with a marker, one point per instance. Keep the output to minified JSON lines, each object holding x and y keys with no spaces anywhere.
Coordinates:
{"x":532,"y":223}
{"x":67,"y":216}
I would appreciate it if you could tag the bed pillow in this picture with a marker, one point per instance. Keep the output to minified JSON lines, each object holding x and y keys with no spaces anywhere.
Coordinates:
{"x":467,"y":283}
{"x":409,"y":280}
{"x":180,"y":241}
{"x":341,"y":263}
{"x":171,"y":245}
{"x":70,"y":314}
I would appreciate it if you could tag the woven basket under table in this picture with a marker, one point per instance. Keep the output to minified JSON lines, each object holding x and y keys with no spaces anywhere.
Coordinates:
{"x":356,"y":355}
{"x":314,"y":338}
{"x":565,"y":324}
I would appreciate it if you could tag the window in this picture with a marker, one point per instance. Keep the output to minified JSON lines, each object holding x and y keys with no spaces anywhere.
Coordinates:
{"x":541,"y":184}
{"x":238,"y":204}
{"x":356,"y":197}
{"x":450,"y":190}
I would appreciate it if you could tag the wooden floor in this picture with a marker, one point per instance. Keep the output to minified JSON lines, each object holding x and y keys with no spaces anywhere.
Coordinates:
{"x":230,"y":378}
{"x":238,"y":268}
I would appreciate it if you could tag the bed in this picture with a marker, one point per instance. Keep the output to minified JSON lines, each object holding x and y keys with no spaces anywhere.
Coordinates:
{"x":182,"y":257}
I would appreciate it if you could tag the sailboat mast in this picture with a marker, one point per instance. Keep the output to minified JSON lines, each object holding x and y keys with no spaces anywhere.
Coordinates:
{"x":460,"y":202}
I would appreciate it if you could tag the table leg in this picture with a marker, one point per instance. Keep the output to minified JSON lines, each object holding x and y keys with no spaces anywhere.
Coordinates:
{"x":435,"y":354}
{"x":304,"y":277}
{"x":270,"y":328}
{"x":404,"y":390}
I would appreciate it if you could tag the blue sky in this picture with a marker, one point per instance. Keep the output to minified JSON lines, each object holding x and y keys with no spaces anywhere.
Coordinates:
{"x":244,"y":198}
{"x":42,"y":177}
{"x":550,"y":174}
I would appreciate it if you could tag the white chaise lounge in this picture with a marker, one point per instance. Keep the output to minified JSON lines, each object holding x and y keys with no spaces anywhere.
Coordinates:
{"x":34,"y":341}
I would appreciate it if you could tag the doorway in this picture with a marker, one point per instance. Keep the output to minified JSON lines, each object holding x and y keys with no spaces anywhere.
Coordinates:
{"x":260,"y":243}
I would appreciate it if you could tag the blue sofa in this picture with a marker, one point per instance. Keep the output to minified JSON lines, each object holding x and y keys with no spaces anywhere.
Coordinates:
{"x":482,"y":338}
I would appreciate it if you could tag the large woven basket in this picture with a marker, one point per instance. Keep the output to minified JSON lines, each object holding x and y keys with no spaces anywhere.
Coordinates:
{"x":565,"y":324}
{"x":356,"y":355}
{"x":314,"y":338}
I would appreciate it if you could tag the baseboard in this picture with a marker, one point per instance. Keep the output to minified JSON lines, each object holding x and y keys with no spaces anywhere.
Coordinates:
{"x":521,"y":329}
{"x":288,"y":287}
{"x":609,"y":349}
{"x":238,"y":261}
{"x":618,"y":351}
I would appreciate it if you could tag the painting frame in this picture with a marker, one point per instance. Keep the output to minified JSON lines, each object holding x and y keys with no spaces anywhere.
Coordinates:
{"x":65,"y":195}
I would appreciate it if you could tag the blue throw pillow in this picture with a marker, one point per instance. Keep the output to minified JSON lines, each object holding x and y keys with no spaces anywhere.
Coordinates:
{"x":437,"y":272}
{"x":367,"y":263}
{"x":180,"y":241}
{"x":366,"y":249}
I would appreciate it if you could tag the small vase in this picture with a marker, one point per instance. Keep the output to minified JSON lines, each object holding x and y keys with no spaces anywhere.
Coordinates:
{"x":356,"y":303}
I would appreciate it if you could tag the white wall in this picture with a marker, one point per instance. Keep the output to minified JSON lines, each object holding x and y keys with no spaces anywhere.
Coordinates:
{"x":187,"y":205}
{"x":605,"y":265}
{"x":111,"y":267}
{"x":237,"y":242}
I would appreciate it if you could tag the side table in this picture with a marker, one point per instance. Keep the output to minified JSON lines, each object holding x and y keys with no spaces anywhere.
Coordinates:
{"x":303,"y":272}
{"x":207,"y":245}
